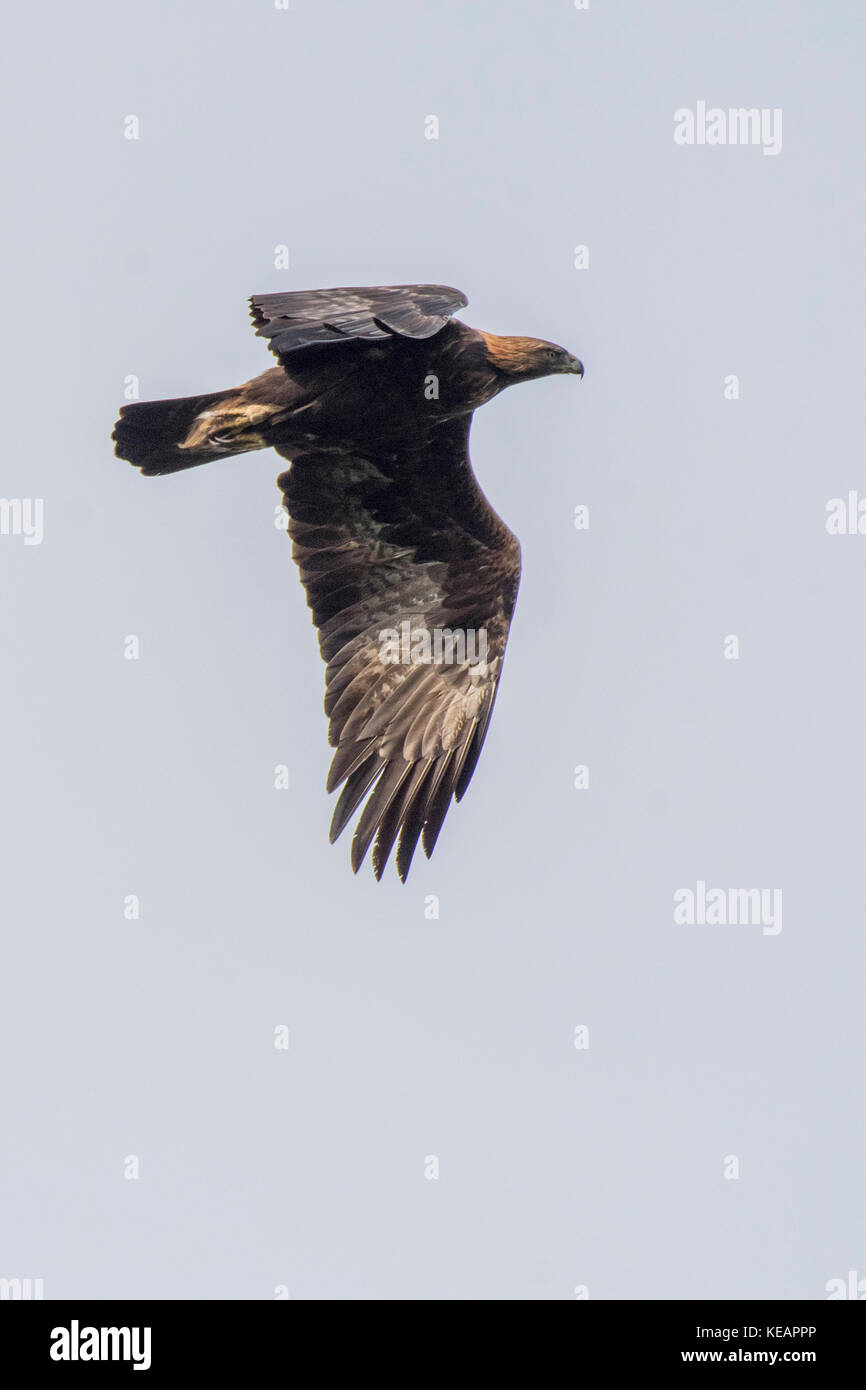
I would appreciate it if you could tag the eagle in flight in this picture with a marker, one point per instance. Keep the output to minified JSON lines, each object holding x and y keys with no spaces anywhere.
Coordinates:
{"x":372,"y":403}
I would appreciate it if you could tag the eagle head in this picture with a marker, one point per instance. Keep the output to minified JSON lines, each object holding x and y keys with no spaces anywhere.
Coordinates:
{"x":525,"y":359}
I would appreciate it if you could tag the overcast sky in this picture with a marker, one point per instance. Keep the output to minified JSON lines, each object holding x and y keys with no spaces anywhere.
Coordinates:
{"x":708,"y":1140}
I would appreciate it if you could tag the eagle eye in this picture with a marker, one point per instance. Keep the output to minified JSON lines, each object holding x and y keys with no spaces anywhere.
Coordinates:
{"x":552,"y":354}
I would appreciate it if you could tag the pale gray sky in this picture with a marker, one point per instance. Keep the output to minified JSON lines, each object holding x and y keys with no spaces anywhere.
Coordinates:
{"x":559,"y":1167}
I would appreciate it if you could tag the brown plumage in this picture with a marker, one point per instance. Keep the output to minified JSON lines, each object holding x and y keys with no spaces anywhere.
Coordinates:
{"x":395,"y":542}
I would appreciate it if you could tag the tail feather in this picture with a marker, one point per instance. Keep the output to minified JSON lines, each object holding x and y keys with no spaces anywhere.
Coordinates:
{"x":166,"y":436}
{"x":151,"y":434}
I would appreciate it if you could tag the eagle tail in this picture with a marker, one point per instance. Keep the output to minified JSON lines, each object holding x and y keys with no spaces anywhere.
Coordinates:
{"x":168,"y":436}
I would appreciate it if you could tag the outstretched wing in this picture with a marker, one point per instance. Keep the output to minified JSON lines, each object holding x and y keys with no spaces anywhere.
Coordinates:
{"x":393,"y":552}
{"x":305,"y":317}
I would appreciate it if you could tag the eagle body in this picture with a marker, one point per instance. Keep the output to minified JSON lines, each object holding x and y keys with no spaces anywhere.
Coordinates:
{"x":372,"y":403}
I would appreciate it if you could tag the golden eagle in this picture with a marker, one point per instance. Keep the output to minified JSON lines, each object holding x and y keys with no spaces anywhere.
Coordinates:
{"x":394,"y":539}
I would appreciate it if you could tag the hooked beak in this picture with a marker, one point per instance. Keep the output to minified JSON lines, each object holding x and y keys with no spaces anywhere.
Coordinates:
{"x":574,"y":365}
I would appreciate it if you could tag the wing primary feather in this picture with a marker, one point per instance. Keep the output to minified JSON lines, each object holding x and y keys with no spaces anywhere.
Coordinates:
{"x":389,"y":826}
{"x":353,"y":794}
{"x":413,"y":823}
{"x":377,"y":804}
{"x":438,"y":801}
{"x":464,"y":773}
{"x":348,"y":757}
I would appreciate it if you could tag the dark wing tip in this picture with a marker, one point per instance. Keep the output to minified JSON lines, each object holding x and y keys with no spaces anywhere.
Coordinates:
{"x":401,"y":803}
{"x":301,"y":318}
